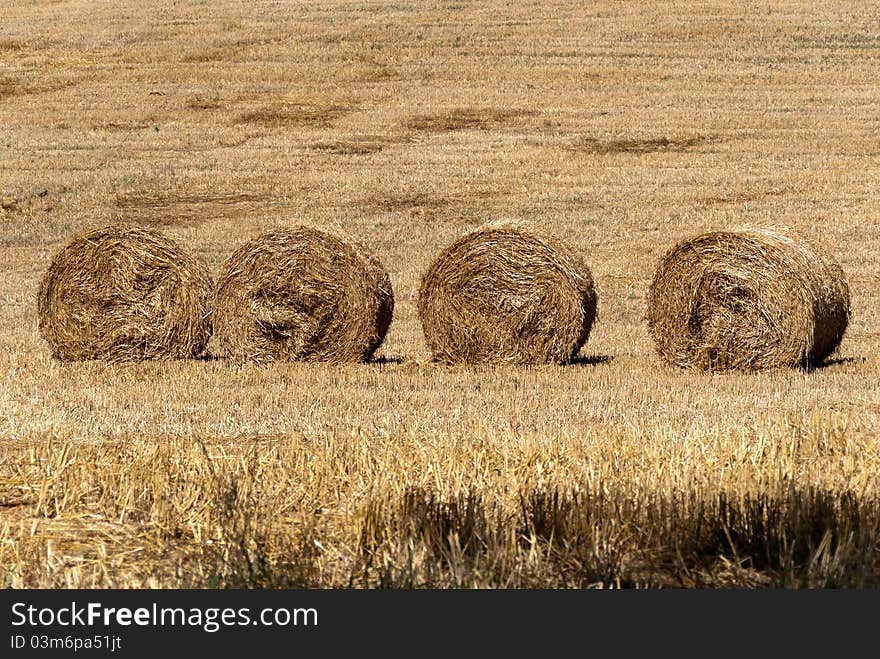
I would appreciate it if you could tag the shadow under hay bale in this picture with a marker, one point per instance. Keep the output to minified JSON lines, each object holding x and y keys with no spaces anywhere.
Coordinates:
{"x":301,"y":294}
{"x":507,"y":293}
{"x":122,"y":292}
{"x":750,"y":299}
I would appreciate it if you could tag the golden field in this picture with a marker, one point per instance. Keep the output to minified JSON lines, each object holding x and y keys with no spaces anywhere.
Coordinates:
{"x":621,"y":127}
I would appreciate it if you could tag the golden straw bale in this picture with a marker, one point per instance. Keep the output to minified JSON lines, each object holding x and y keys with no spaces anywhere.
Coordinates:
{"x":748,"y":299}
{"x":122,"y":292}
{"x":302,"y":294}
{"x":507,"y":292}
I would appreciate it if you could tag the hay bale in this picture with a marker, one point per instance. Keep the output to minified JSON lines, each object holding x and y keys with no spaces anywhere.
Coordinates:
{"x":507,"y":293}
{"x":122,"y":292}
{"x":301,"y":294}
{"x":747,"y":299}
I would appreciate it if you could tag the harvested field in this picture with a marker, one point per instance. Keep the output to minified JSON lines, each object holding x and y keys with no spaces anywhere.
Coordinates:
{"x":359,"y":145}
{"x":164,"y":209}
{"x":638,"y":145}
{"x":623,"y":128}
{"x":462,"y":118}
{"x":291,"y":116}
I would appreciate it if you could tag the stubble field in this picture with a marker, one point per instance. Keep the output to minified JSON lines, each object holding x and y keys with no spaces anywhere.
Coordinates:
{"x":620,"y":127}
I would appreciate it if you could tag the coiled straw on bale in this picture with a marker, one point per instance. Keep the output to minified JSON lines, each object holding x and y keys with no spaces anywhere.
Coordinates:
{"x":748,"y":299}
{"x":122,"y":292}
{"x":301,"y":294}
{"x":507,"y":293}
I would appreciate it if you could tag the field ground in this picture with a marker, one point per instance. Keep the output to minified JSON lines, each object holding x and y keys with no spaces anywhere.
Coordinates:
{"x":621,"y":127}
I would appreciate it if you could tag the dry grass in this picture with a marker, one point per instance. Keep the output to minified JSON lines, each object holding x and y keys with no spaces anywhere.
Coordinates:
{"x":748,"y":299}
{"x":7,"y":206}
{"x":292,"y":115}
{"x":271,"y":511}
{"x":638,"y":145}
{"x":199,"y":103}
{"x":462,"y":118}
{"x":359,"y":145}
{"x":408,"y":202}
{"x":163,"y":209}
{"x":13,"y":87}
{"x":613,"y":470}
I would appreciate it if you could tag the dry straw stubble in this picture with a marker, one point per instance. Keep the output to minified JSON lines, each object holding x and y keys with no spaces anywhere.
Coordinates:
{"x":301,"y":294}
{"x":123,"y":292}
{"x":508,"y":292}
{"x":749,"y":299}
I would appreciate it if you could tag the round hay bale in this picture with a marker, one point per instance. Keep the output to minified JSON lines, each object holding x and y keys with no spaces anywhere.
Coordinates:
{"x":122,"y":292}
{"x":301,"y":294}
{"x":507,"y":293}
{"x":748,"y":299}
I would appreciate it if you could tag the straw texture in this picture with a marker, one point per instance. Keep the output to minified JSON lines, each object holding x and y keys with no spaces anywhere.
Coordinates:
{"x":301,"y":294}
{"x":122,"y":292}
{"x":748,"y":299}
{"x":508,"y":292}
